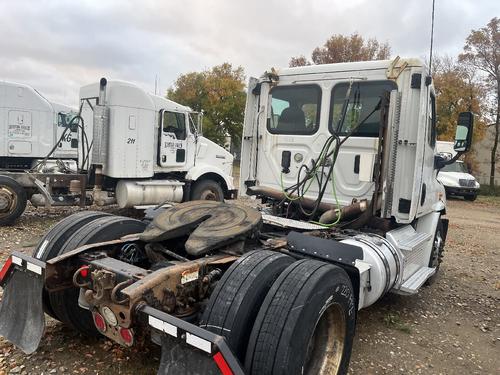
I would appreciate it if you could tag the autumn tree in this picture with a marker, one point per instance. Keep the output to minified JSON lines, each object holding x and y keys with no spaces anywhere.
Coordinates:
{"x":482,"y":52}
{"x":340,"y":48}
{"x":458,"y":90}
{"x":220,"y":93}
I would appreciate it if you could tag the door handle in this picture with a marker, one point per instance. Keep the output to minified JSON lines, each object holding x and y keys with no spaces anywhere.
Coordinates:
{"x":356,"y":163}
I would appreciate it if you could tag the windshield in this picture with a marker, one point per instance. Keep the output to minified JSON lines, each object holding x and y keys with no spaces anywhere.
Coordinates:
{"x":455,"y":167}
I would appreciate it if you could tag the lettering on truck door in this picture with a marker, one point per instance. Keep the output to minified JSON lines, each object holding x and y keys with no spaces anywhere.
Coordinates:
{"x":173,"y":135}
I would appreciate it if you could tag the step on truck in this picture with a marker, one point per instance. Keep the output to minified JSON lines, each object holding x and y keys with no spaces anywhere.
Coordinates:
{"x":342,"y":160}
{"x":131,"y":148}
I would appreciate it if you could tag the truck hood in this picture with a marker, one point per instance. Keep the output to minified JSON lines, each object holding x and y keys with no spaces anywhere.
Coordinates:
{"x":211,"y":153}
{"x":452,"y":178}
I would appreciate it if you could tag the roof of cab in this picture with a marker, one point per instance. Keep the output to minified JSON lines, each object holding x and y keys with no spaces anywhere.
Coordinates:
{"x":122,"y":93}
{"x":346,"y":67}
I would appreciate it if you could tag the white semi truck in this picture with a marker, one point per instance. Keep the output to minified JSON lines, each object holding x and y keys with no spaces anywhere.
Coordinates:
{"x":31,"y":126}
{"x":343,"y":157}
{"x":136,"y":149}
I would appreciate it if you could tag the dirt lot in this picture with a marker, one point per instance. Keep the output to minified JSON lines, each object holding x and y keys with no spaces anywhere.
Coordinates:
{"x":452,"y":327}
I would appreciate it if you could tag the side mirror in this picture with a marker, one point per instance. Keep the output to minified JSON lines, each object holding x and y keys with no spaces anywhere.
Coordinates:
{"x":463,"y":136}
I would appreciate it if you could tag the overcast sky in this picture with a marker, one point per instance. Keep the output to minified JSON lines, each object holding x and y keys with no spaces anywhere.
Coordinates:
{"x":58,"y":46}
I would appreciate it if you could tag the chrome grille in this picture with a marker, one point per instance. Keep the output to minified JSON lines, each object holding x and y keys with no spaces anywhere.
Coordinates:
{"x":466,"y":182}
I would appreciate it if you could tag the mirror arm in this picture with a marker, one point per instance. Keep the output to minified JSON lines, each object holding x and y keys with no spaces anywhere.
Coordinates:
{"x":440,"y":162}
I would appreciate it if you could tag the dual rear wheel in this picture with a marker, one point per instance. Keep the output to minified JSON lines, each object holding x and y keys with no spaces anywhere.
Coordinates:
{"x":77,"y":230}
{"x":281,"y":316}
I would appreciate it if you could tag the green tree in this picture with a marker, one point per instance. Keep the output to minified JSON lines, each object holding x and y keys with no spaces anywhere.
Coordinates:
{"x":220,"y":93}
{"x":340,"y":48}
{"x":482,"y":53}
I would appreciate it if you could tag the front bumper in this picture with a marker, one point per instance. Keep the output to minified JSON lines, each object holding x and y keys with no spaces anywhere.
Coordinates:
{"x":186,"y":348}
{"x":461,"y":190}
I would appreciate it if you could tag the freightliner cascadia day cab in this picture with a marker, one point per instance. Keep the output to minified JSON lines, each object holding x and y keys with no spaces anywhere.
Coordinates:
{"x":134,"y":148}
{"x":343,"y":160}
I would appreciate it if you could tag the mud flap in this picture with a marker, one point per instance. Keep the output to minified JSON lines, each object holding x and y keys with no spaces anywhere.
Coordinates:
{"x":178,"y":358}
{"x":22,"y":320}
{"x":188,"y":349}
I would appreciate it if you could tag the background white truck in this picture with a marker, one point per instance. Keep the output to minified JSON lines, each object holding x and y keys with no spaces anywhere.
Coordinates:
{"x":31,"y":126}
{"x":455,"y":177}
{"x":136,"y":149}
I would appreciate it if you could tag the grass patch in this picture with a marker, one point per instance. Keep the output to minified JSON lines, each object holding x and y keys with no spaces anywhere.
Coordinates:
{"x":489,"y":191}
{"x":394,"y":321}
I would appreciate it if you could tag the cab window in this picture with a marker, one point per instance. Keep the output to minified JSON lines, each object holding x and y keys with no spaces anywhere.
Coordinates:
{"x":174,"y":122}
{"x":294,"y":109}
{"x":362,"y":112}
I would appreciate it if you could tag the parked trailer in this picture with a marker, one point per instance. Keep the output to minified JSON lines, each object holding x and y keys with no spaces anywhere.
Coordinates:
{"x":137,"y":149}
{"x":226,"y":288}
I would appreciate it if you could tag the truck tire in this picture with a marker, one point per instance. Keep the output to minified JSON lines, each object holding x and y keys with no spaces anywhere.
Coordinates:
{"x":65,"y":302}
{"x":306,"y":323}
{"x":235,"y":302}
{"x":13,"y":200}
{"x":207,"y":190}
{"x":50,"y":244}
{"x":437,"y":252}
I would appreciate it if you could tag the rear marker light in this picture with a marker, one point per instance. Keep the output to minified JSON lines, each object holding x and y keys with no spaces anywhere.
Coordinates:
{"x":198,"y":342}
{"x":127,"y":336}
{"x":162,"y":326}
{"x":5,"y":268}
{"x":34,"y":268}
{"x":99,"y":322}
{"x":84,"y":272}
{"x":222,"y":364}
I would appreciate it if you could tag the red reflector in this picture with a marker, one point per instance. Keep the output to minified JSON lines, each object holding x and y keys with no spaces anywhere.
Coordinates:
{"x":99,"y":322}
{"x":127,"y":335}
{"x":222,"y":364}
{"x":5,"y":268}
{"x":84,"y":272}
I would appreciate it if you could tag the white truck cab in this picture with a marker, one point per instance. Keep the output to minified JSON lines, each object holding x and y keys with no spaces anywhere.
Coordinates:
{"x":300,"y":111}
{"x":31,"y":126}
{"x":129,"y":147}
{"x":349,"y":146}
{"x":149,"y":149}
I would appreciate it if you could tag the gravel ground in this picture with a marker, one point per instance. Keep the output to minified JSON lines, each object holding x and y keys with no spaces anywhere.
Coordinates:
{"x":451,"y":327}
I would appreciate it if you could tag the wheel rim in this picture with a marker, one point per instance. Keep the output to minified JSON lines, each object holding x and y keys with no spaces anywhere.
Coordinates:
{"x":208,"y":195}
{"x":326,"y":346}
{"x":8,"y":201}
{"x":436,"y":251}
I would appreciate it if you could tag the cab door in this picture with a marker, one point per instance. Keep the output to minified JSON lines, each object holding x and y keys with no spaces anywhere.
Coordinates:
{"x":173,"y":139}
{"x":68,"y":145}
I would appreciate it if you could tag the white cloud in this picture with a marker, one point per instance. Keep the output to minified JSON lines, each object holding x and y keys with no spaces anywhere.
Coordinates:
{"x":57,"y":46}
